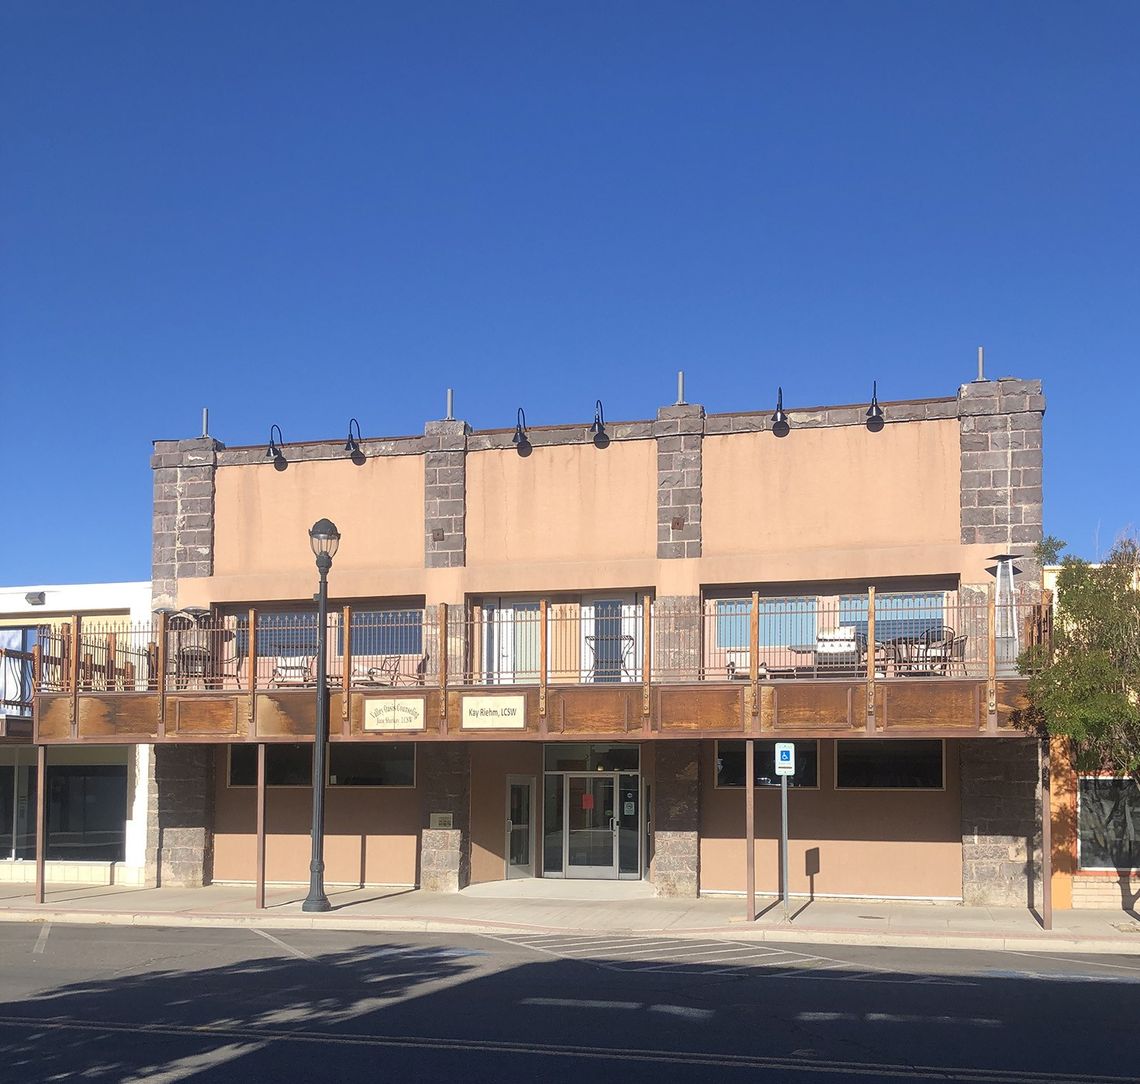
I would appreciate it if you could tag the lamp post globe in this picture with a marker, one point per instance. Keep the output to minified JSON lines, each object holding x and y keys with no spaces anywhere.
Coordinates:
{"x":324,"y":539}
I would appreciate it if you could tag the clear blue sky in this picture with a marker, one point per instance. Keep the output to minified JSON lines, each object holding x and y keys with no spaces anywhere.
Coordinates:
{"x":298,"y":212}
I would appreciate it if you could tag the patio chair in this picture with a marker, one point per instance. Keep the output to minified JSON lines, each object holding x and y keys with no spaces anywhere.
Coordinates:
{"x":386,"y":673}
{"x":933,"y":653}
{"x":292,"y":671}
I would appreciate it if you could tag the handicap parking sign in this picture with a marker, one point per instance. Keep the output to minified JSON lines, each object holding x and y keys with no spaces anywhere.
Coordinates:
{"x":785,"y":758}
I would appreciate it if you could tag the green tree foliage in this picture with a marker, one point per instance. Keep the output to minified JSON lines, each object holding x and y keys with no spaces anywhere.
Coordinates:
{"x":1088,"y":688}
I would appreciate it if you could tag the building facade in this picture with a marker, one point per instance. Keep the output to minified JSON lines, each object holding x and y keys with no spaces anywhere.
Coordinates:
{"x":557,"y":652}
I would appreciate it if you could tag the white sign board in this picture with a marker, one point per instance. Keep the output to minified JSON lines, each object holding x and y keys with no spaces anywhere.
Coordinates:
{"x":494,"y":713}
{"x":393,"y":713}
{"x":785,"y":758}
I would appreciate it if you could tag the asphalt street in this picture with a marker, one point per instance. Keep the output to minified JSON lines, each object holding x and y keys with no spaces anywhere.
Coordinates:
{"x":144,"y":1004}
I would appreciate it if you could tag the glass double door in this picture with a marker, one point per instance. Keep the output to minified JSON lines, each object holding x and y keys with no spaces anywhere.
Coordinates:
{"x":603,"y":825}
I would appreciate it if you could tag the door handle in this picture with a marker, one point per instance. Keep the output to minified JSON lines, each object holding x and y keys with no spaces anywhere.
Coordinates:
{"x":613,"y":824}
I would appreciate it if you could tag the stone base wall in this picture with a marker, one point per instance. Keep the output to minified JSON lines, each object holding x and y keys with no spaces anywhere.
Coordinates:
{"x":1001,"y":821}
{"x":445,"y":853}
{"x":180,"y":816}
{"x":676,"y":819}
{"x":1098,"y":890}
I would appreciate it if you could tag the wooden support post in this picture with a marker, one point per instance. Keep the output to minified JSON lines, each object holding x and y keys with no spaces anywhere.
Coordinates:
{"x":1046,"y":837}
{"x":37,"y":667}
{"x":646,"y":655}
{"x":870,"y":660}
{"x":991,"y":660}
{"x":259,"y":901}
{"x":111,"y":667}
{"x":65,"y":650}
{"x":754,"y":653}
{"x":750,"y":827}
{"x":475,"y":632}
{"x":543,"y":654}
{"x":160,"y":677}
{"x":443,"y":664}
{"x":346,"y":671}
{"x":41,"y":821}
{"x":74,"y":676}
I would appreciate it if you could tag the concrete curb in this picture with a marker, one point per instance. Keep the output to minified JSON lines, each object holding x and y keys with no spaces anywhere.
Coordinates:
{"x":999,"y":942}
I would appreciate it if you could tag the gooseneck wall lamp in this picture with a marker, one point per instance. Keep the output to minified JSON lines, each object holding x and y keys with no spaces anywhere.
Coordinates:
{"x":325,"y":540}
{"x":520,"y":440}
{"x":598,"y":428}
{"x":780,"y":422}
{"x":874,"y":411}
{"x":274,"y":450}
{"x":352,"y":445}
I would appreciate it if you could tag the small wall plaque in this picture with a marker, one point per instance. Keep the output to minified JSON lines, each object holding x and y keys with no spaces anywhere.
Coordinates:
{"x":494,"y":713}
{"x":440,"y":820}
{"x":393,"y":713}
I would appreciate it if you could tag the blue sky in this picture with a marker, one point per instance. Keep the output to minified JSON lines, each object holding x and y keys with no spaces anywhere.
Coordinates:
{"x":298,"y":212}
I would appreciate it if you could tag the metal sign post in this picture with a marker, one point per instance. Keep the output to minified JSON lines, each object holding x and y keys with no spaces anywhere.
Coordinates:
{"x":785,"y":766}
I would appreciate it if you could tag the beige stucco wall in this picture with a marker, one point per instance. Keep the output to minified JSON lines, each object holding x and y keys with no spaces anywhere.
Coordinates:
{"x":371,"y":833}
{"x":831,"y":488}
{"x":870,"y":843}
{"x":490,"y":766}
{"x":263,"y":516}
{"x":570,"y":502}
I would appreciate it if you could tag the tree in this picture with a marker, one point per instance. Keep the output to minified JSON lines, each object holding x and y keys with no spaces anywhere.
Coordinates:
{"x":1087,"y":687}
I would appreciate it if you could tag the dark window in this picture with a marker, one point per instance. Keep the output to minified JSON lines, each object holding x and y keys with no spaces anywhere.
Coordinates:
{"x":581,"y":757}
{"x":384,"y":632}
{"x":1108,"y":824}
{"x":365,"y":764}
{"x":888,"y":765}
{"x":87,"y":812}
{"x":285,"y":765}
{"x":730,"y":764}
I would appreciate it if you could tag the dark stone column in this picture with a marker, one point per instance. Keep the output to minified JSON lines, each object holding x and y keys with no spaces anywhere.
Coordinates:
{"x":677,"y":637}
{"x":680,"y":434}
{"x":677,"y":818}
{"x":444,"y":778}
{"x":1001,"y":821}
{"x":183,"y":540}
{"x":180,"y":816}
{"x":445,"y":494}
{"x":1000,"y":424}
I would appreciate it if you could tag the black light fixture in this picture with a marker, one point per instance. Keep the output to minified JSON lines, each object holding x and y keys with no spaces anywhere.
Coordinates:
{"x":520,"y":439}
{"x":780,"y":424}
{"x":874,"y":411}
{"x":274,"y":451}
{"x":352,"y":445}
{"x":598,"y":428}
{"x":325,"y":540}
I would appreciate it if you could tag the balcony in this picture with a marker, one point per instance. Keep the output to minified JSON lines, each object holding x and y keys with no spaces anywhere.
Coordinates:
{"x":916,"y":663}
{"x":16,"y":693}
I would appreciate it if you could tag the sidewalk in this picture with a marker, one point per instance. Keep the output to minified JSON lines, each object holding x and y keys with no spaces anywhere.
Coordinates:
{"x":581,"y":907}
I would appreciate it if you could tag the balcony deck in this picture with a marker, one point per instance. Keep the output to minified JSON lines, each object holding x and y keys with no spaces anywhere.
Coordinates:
{"x":650,"y":674}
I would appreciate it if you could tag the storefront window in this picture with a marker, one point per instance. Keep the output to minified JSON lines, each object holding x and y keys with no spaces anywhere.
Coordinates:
{"x":285,"y":765}
{"x":592,"y":757}
{"x":360,"y":764}
{"x":1108,"y":824}
{"x":888,"y":765}
{"x":730,"y":764}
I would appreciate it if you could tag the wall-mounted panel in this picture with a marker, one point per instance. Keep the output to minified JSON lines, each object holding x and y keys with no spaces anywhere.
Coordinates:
{"x":129,"y":717}
{"x":696,"y":708}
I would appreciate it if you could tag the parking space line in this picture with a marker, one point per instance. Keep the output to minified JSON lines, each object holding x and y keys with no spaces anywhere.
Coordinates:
{"x":288,"y":948}
{"x":41,"y":941}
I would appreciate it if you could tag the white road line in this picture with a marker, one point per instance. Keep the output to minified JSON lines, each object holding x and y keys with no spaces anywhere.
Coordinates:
{"x":578,"y":1003}
{"x":684,"y":1011}
{"x":41,"y":941}
{"x":1064,"y":959}
{"x":281,"y":944}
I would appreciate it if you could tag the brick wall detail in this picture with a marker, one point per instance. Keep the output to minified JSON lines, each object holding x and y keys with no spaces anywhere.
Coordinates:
{"x":445,"y":494}
{"x":180,"y":816}
{"x":1001,"y":821}
{"x":677,"y":636}
{"x":680,"y":435}
{"x":444,"y":777}
{"x":676,"y":819}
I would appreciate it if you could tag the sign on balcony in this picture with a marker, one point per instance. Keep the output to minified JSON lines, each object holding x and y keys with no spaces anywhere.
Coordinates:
{"x":393,"y":713}
{"x":494,"y":713}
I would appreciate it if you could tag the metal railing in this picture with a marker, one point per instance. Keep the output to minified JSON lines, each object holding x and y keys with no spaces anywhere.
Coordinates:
{"x":963,"y":634}
{"x":16,"y":681}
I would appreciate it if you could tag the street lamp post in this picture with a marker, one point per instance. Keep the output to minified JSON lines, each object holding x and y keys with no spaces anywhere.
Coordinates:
{"x":324,"y":538}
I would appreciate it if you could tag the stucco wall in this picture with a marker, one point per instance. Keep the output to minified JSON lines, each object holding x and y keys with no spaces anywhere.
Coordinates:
{"x":833,"y":487}
{"x":570,"y":502}
{"x":263,"y":516}
{"x":490,"y":766}
{"x":869,"y":843}
{"x":371,"y":833}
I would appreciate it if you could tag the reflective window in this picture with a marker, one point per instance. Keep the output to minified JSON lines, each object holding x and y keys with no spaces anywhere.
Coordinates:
{"x":372,"y":764}
{"x":285,"y":765}
{"x":1108,"y":824}
{"x":592,"y":757}
{"x":730,"y":764}
{"x":889,"y":764}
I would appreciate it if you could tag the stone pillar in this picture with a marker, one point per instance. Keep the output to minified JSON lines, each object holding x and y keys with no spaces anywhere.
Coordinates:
{"x":1001,"y":821}
{"x":180,"y":820}
{"x":444,"y":773}
{"x":677,"y":818}
{"x":677,"y":638}
{"x":1000,"y":423}
{"x":183,"y":541}
{"x":680,"y":435}
{"x":445,"y":494}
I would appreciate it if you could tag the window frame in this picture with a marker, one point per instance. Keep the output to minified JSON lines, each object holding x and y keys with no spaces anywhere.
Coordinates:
{"x":887,"y":790}
{"x":717,"y":785}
